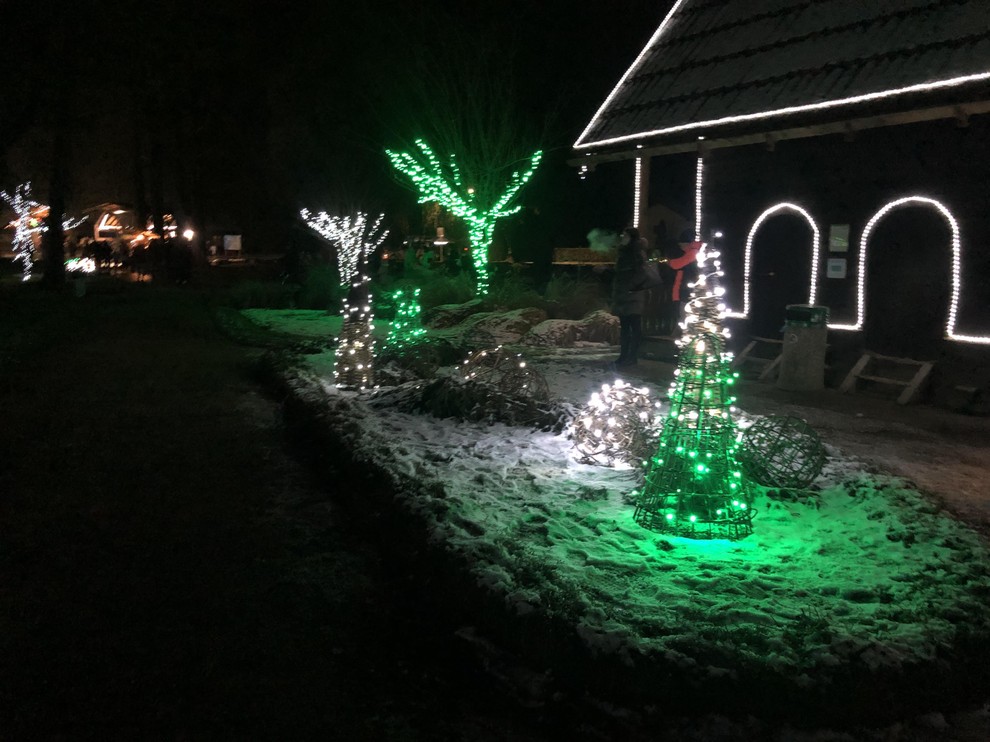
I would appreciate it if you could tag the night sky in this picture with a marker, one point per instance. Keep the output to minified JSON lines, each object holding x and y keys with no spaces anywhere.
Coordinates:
{"x":243,"y":115}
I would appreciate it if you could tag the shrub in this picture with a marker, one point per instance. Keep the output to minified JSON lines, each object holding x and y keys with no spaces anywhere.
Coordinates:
{"x":573,"y":298}
{"x":261,"y":295}
{"x":512,"y":291}
{"x":436,"y":288}
{"x":320,"y":289}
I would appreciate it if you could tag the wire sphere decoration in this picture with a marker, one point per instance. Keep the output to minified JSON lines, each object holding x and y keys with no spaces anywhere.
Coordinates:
{"x":781,"y":451}
{"x":619,"y":423}
{"x":522,"y":381}
{"x":488,"y":365}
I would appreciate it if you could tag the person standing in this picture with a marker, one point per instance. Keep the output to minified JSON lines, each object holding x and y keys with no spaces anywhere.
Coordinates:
{"x":684,"y":267}
{"x":629,"y":285}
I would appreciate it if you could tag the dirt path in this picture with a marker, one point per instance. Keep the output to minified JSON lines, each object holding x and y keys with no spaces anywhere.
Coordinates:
{"x":168,"y":571}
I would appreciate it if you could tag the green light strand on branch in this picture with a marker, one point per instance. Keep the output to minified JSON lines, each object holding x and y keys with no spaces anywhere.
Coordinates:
{"x":433,"y":182}
{"x":407,"y":327}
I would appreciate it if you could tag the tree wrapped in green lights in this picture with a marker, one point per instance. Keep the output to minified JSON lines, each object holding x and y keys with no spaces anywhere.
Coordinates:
{"x":407,"y":327}
{"x":694,"y":485}
{"x":479,"y":204}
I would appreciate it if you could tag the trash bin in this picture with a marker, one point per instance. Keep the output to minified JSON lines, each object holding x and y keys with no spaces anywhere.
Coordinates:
{"x":802,"y":360}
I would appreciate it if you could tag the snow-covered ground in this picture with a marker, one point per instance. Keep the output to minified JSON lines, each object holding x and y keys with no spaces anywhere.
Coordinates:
{"x":862,"y":576}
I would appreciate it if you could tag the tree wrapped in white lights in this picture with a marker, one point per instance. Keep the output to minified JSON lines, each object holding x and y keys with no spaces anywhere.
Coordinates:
{"x":694,"y":485}
{"x":25,"y":226}
{"x":353,"y":365}
{"x":29,"y":222}
{"x":480,"y":205}
{"x":353,"y":237}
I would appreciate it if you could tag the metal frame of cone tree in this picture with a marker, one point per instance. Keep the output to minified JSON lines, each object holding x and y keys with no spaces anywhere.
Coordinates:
{"x":694,"y":485}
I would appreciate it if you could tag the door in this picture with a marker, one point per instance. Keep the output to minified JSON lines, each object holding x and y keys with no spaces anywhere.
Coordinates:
{"x":780,"y":271}
{"x":908,"y":283}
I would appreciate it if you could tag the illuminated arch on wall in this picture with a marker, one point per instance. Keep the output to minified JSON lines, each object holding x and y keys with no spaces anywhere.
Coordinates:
{"x":950,"y":323}
{"x":815,"y":246}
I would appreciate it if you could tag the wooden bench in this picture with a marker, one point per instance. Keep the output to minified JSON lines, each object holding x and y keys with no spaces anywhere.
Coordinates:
{"x":866,"y":369}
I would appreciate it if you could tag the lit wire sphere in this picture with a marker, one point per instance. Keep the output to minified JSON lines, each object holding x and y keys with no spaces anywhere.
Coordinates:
{"x":506,"y":372}
{"x":488,"y":365}
{"x":781,"y":451}
{"x":619,"y":423}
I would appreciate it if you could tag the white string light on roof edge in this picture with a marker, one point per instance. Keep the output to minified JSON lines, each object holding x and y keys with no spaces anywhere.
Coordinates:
{"x":787,"y":110}
{"x":633,"y":66}
{"x":747,"y":257}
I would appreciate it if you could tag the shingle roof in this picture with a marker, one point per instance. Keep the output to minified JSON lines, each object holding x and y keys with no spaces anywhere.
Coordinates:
{"x":753,"y":63}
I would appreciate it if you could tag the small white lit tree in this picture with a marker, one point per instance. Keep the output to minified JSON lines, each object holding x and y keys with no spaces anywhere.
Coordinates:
{"x":29,"y":221}
{"x":26,"y":225}
{"x":355,"y":239}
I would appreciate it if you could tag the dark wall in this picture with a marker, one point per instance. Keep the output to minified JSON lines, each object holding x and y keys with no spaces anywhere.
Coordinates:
{"x":846,"y":182}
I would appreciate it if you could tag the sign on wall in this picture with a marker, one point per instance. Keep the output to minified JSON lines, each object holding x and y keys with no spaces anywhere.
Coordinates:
{"x":232,"y":243}
{"x":836,"y":268}
{"x":838,"y":238}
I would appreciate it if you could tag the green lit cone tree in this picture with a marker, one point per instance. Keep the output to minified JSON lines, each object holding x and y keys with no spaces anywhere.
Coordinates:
{"x":694,"y":485}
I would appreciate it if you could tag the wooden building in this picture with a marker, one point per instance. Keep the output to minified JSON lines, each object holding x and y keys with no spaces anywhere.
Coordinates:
{"x":842,"y":147}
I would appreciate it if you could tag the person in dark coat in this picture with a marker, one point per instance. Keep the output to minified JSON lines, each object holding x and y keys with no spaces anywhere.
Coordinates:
{"x":629,"y":284}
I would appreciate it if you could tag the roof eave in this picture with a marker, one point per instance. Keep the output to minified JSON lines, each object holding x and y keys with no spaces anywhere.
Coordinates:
{"x":771,"y":131}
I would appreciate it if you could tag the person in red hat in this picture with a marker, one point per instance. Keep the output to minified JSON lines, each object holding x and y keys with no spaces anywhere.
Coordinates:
{"x":685,"y":271}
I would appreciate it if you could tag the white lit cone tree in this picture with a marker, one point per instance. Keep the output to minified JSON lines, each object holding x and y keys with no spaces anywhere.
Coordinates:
{"x":354,"y":361}
{"x":694,"y":486}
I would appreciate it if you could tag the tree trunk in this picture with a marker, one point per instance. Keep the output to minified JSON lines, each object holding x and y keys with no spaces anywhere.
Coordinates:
{"x":53,"y":239}
{"x":141,"y":209}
